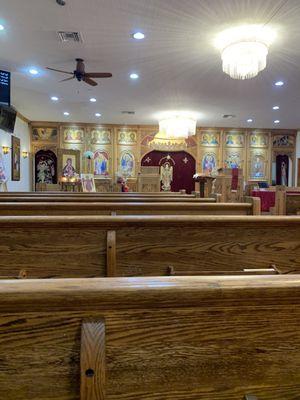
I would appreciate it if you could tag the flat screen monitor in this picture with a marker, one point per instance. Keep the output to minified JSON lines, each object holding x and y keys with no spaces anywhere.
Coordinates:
{"x":5,"y":88}
{"x":7,"y":118}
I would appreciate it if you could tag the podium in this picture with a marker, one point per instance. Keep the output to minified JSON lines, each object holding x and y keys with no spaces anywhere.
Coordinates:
{"x":149,"y":180}
{"x":223,"y":186}
{"x":203,"y":180}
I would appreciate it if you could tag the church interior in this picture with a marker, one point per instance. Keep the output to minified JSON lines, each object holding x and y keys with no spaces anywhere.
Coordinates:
{"x":149,"y":200}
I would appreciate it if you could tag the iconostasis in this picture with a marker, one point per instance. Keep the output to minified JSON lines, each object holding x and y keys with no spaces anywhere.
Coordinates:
{"x":116,"y":150}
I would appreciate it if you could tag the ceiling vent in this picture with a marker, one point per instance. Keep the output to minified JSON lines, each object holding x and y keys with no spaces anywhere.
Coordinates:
{"x":128,"y":112}
{"x":69,"y":37}
{"x":228,"y":116}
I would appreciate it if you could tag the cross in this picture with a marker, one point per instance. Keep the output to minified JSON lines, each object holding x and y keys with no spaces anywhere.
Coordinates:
{"x":185,"y":160}
{"x":148,"y":159}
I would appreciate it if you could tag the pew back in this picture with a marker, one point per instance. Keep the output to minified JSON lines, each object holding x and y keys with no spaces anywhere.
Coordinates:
{"x":151,"y":338}
{"x":95,"y":246}
{"x":127,"y":208}
{"x":104,"y":199}
{"x":287,"y":201}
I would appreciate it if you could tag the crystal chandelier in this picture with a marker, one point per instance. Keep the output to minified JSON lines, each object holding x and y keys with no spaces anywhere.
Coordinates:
{"x":177,"y":126}
{"x":244,"y":50}
{"x":174,"y":129}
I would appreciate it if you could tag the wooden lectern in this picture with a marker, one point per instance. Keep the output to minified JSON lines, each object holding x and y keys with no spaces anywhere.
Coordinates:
{"x":223,"y":186}
{"x":149,"y":180}
{"x":204,"y":180}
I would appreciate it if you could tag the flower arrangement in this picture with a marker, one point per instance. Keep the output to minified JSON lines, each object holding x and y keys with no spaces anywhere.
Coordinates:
{"x":88,"y":154}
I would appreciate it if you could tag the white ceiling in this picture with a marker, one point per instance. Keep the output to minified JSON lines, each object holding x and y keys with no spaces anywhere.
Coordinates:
{"x":178,"y":65}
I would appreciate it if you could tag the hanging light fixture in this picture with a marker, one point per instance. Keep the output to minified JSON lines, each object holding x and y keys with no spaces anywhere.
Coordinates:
{"x":174,"y":129}
{"x":244,"y":50}
{"x":177,"y":126}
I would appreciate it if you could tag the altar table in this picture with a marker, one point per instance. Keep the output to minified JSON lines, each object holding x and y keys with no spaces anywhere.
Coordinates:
{"x":267,"y":198}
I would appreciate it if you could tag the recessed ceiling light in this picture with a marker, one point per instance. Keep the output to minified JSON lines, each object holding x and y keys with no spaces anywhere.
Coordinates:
{"x":66,"y":113}
{"x":249,"y":120}
{"x":93,"y":100}
{"x":134,"y":76}
{"x":54,"y":98}
{"x":138,"y":35}
{"x":33,"y":71}
{"x":279,"y":83}
{"x":276,"y":121}
{"x":98,"y":115}
{"x":1,"y":27}
{"x":276,"y":108}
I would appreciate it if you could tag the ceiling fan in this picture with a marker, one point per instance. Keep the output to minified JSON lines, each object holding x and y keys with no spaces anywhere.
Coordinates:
{"x":81,"y":75}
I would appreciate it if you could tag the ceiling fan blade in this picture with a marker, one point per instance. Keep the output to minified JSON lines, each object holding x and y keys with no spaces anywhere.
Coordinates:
{"x":89,"y":81}
{"x":58,"y":70}
{"x":98,"y":75}
{"x":67,"y":79}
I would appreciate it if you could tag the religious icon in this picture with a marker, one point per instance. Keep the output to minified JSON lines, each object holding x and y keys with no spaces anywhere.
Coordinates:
{"x":258,"y":167}
{"x":44,"y":134}
{"x":283,"y":141}
{"x":3,"y":176}
{"x":88,"y":183}
{"x":68,"y":169}
{"x":234,"y":140}
{"x":73,"y":135}
{"x":209,"y":139}
{"x":233,"y":160}
{"x":258,"y":140}
{"x":127,"y":137}
{"x":16,"y":159}
{"x":127,"y":164}
{"x":209,"y":163}
{"x":284,"y":181}
{"x":45,"y":167}
{"x":166,"y":176}
{"x":101,"y":136}
{"x":101,"y":163}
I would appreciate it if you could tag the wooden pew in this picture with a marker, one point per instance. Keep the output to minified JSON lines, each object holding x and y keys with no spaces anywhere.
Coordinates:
{"x":138,"y":208}
{"x":208,"y":338}
{"x":97,"y":246}
{"x":287,"y":201}
{"x":99,"y":194}
{"x":122,"y":199}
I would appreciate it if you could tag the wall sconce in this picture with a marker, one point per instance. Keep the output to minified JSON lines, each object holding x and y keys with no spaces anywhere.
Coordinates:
{"x":25,"y":154}
{"x":5,"y":149}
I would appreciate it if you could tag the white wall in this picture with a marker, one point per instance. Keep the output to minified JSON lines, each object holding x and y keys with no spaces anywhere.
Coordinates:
{"x":22,"y":131}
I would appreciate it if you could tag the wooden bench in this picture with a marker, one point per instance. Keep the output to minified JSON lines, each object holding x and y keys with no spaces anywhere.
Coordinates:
{"x":122,"y":199}
{"x":287,"y":201}
{"x":99,"y":194}
{"x":95,"y":246}
{"x":209,"y":338}
{"x":127,"y":208}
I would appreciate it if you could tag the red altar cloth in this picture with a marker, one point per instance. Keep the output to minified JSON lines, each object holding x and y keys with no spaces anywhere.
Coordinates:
{"x":267,"y":198}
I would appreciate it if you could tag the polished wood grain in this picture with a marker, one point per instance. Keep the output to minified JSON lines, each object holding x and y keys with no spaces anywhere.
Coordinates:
{"x":292,"y":204}
{"x":111,"y":254}
{"x":179,"y":338}
{"x":127,"y":208}
{"x":76,"y":246}
{"x":92,"y":360}
{"x":120,"y":199}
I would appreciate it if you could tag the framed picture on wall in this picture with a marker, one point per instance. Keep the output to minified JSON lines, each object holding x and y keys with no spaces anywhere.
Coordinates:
{"x":3,"y":176}
{"x":68,"y":163}
{"x":15,"y":158}
{"x":88,"y":183}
